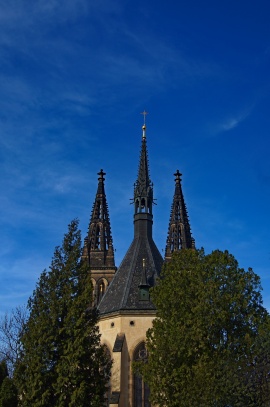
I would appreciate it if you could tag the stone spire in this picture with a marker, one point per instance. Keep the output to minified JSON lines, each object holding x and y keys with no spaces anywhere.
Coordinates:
{"x":179,"y":233}
{"x":98,"y":245}
{"x":129,"y":289}
{"x":143,"y":193}
{"x":143,"y":187}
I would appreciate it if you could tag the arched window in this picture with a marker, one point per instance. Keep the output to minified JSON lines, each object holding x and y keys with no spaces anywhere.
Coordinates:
{"x":101,"y":287}
{"x":141,"y":389}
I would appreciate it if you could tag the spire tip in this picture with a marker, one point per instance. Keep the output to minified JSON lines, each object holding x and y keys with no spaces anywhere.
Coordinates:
{"x":144,"y":125}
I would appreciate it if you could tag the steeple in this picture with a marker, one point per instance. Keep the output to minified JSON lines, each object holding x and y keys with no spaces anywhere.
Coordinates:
{"x":179,"y":233}
{"x":129,"y":289}
{"x":143,"y":192}
{"x":98,"y":245}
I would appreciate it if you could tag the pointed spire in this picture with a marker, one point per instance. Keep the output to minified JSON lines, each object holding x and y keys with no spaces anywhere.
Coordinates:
{"x":98,"y":245}
{"x":129,"y":289}
{"x":143,"y":187}
{"x":179,"y":233}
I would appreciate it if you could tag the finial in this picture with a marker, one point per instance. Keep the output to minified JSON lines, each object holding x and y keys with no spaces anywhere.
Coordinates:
{"x":144,"y":125}
{"x":144,"y":114}
{"x":101,"y":174}
{"x":177,"y":176}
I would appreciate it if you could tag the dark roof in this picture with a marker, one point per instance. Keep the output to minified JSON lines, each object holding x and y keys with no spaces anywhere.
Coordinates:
{"x":142,"y":261}
{"x":123,"y":292}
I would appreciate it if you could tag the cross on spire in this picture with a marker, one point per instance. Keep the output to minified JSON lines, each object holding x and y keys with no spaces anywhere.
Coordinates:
{"x":144,"y":125}
{"x":101,"y":175}
{"x":144,"y":114}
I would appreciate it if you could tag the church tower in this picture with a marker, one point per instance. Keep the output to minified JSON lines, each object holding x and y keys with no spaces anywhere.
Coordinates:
{"x":122,"y":296}
{"x":179,"y":233}
{"x":98,"y":245}
{"x":126,"y":310}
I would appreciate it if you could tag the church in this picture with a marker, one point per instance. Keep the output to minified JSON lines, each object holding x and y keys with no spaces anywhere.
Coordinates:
{"x":122,"y":294}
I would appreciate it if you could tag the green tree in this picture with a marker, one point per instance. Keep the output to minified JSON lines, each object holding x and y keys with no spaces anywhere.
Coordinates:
{"x":62,"y":362}
{"x":8,"y":390}
{"x":258,"y":388}
{"x":3,"y":371}
{"x":8,"y":393}
{"x":202,"y":347}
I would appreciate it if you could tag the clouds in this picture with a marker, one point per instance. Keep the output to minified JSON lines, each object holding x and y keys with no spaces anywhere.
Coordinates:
{"x":29,"y":13}
{"x":232,"y":121}
{"x":74,"y":76}
{"x":72,"y":55}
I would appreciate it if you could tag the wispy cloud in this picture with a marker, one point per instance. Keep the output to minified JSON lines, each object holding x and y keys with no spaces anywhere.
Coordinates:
{"x":71,"y":73}
{"x":230,"y":124}
{"x":37,"y":11}
{"x":231,"y":121}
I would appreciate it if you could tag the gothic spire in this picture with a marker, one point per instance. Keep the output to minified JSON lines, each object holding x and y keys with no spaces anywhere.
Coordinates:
{"x":141,"y":265}
{"x":98,"y":245}
{"x":179,"y":233}
{"x":143,"y":187}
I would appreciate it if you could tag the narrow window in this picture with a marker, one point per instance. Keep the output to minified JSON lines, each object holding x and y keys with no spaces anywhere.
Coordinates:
{"x":101,"y":291}
{"x":141,"y":389}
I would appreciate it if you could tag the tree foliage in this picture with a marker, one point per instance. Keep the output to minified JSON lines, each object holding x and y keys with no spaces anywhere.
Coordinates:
{"x":258,"y":384}
{"x":62,"y":362}
{"x":8,"y":393}
{"x":3,"y":371}
{"x":8,"y":390}
{"x":203,"y":346}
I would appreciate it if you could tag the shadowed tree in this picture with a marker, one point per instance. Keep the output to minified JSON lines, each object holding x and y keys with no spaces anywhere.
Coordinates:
{"x":3,"y":371}
{"x":205,"y":339}
{"x":62,"y":362}
{"x":8,"y":393}
{"x":8,"y":390}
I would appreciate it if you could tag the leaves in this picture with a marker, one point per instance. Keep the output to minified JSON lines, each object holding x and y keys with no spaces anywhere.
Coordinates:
{"x":201,"y":346}
{"x":8,"y":393}
{"x":62,"y":359}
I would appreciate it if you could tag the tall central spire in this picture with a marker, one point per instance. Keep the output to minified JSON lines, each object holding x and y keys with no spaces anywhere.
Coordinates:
{"x":143,"y":192}
{"x":128,"y":291}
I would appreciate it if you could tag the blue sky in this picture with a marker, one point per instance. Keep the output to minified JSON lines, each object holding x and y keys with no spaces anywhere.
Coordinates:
{"x":74,"y":77}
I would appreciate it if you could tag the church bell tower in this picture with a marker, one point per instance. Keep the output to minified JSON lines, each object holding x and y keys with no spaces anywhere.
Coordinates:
{"x":123,"y":295}
{"x":98,"y":245}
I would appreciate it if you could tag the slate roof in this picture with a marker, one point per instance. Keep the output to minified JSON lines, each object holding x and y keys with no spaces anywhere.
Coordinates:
{"x":124,"y":291}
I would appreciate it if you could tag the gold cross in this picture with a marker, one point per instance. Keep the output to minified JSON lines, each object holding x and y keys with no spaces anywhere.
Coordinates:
{"x":144,"y":113}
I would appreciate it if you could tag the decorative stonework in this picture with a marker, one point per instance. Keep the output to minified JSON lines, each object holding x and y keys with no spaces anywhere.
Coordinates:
{"x":124,"y":296}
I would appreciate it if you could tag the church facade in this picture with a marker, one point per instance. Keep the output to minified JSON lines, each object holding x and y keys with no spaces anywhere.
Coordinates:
{"x":122,"y":294}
